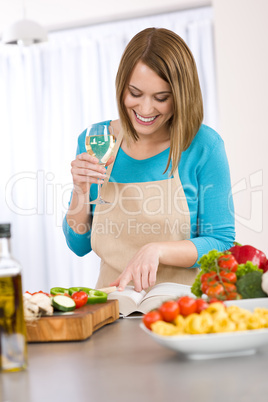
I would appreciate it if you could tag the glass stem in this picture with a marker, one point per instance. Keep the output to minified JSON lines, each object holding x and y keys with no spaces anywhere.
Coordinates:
{"x":99,"y":190}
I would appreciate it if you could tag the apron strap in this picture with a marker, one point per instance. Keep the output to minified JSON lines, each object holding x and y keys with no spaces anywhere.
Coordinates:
{"x":110,"y":167}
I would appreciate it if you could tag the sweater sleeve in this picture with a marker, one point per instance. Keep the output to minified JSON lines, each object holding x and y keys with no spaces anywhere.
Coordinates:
{"x":215,"y":222}
{"x":80,"y":244}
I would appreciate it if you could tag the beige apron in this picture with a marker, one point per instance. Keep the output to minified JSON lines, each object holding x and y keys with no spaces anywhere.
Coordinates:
{"x":140,"y":213}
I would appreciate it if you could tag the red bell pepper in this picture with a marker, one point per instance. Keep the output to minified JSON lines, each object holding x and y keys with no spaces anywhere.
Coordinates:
{"x":265,"y":267}
{"x":246,"y":253}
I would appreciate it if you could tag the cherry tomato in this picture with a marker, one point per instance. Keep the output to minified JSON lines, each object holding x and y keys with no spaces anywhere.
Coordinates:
{"x":228,"y":262}
{"x":216,"y":290}
{"x":187,"y":305}
{"x":215,"y":300}
{"x":80,"y":298}
{"x":208,"y":276}
{"x":149,"y":318}
{"x":206,"y":285}
{"x":201,"y":305}
{"x":233,"y":296}
{"x":169,"y":310}
{"x":228,"y":276}
{"x":41,"y":291}
{"x":229,"y":287}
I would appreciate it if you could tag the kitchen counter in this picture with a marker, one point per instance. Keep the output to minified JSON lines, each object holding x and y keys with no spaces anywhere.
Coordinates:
{"x":120,"y":363}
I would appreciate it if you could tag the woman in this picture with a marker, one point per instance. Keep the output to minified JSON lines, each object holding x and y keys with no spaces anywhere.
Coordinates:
{"x":169,"y":177}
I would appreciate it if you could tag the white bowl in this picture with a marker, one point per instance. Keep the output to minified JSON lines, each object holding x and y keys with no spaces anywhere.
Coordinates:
{"x":207,"y":346}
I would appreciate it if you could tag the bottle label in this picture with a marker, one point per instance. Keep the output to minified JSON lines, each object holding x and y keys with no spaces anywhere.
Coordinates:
{"x":7,"y":303}
{"x":12,"y":326}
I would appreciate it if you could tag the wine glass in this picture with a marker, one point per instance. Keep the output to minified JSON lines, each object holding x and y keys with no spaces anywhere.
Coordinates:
{"x":100,"y":142}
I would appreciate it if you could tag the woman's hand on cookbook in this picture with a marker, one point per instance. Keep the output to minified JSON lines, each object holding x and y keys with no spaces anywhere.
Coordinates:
{"x":141,"y":269}
{"x":86,"y":170}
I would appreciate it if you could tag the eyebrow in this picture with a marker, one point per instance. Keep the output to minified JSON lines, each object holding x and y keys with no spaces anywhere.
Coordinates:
{"x":157,"y":93}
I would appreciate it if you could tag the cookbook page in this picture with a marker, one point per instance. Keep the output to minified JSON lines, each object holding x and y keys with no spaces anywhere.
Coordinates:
{"x":169,"y":289}
{"x":128,"y":299}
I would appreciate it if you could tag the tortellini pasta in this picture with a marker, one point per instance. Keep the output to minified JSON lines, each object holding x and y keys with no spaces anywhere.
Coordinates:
{"x":164,"y":328}
{"x":198,"y":323}
{"x":216,"y":318}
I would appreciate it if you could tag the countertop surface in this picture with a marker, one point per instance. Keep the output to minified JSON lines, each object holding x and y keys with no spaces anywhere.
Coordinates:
{"x":119,"y":362}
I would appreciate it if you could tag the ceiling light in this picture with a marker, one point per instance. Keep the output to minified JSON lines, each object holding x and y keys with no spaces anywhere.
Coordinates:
{"x":24,"y":32}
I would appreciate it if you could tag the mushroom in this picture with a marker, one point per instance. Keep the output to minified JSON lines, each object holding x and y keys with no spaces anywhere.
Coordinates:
{"x":43,"y":302}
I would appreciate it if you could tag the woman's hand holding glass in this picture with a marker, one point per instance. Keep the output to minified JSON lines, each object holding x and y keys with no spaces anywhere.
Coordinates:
{"x":100,"y":142}
{"x":86,"y":171}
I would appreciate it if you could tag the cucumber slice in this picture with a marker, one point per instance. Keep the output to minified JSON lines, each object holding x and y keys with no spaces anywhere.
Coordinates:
{"x":63,"y":303}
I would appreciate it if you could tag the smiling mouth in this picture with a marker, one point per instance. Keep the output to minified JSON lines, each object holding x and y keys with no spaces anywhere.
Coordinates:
{"x":145,"y":119}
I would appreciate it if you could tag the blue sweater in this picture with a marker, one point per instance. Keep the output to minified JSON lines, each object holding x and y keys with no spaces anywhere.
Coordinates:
{"x":205,"y":177}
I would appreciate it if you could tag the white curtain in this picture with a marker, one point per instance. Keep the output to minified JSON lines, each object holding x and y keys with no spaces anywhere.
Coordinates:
{"x":48,"y":94}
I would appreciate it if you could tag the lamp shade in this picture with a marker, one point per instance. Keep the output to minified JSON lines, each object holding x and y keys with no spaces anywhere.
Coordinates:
{"x":24,"y":32}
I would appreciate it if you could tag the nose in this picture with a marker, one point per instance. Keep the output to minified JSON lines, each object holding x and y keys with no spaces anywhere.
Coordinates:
{"x":146,"y":106}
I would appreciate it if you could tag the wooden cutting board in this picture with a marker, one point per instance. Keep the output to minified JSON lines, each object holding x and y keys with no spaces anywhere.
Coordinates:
{"x":75,"y":326}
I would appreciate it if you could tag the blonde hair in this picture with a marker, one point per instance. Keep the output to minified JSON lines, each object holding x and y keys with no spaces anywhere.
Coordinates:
{"x":168,"y":55}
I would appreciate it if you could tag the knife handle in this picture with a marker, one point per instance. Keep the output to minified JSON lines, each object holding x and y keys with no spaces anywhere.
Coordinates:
{"x":109,"y":289}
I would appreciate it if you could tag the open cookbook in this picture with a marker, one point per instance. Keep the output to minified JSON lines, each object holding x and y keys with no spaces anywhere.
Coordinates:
{"x":131,"y":301}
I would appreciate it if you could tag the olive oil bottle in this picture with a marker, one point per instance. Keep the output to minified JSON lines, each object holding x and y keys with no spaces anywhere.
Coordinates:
{"x":13,"y":343}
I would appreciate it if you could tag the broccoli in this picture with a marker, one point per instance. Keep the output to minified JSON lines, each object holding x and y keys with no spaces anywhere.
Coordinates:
{"x":249,"y":285}
{"x":244,"y":269}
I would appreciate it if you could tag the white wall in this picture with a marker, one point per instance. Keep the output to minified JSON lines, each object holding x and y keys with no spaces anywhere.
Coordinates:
{"x":241,"y":33}
{"x":59,"y":14}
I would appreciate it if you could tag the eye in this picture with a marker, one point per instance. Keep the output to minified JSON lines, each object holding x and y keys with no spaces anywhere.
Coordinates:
{"x":162,"y":99}
{"x":134,"y":95}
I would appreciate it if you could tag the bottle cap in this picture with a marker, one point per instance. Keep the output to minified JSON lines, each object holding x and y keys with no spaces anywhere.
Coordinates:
{"x":5,"y":230}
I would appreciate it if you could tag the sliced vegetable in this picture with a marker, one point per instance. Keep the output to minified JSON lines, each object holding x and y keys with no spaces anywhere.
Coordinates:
{"x":41,"y":292}
{"x":94,"y":296}
{"x":59,"y":291}
{"x":63,"y":303}
{"x":31,"y":310}
{"x":43,"y":301}
{"x":36,"y":305}
{"x":78,"y":289}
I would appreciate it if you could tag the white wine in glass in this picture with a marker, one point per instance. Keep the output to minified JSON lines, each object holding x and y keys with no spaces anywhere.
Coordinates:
{"x":100,"y":142}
